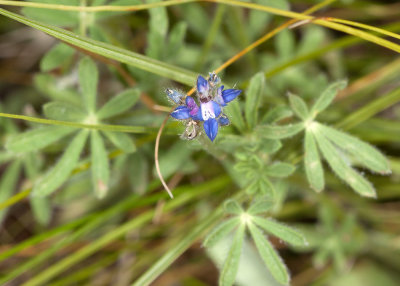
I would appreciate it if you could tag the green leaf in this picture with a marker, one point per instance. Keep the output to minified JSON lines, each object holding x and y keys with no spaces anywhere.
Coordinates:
{"x":262,"y":205}
{"x":158,"y":28}
{"x":177,"y":157}
{"x":341,"y":167}
{"x":253,"y":99}
{"x":54,"y":17}
{"x":270,"y":257}
{"x":57,"y":56}
{"x":299,"y":106}
{"x":51,"y":87}
{"x":100,"y":165}
{"x":36,"y":139}
{"x":280,"y":170}
{"x":281,"y":231}
{"x":364,"y":153}
{"x":88,"y":79}
{"x":276,"y":114}
{"x":41,"y":208}
{"x":266,"y":186}
{"x":176,"y":39}
{"x":8,"y":182}
{"x":327,"y":96}
{"x":220,"y":231}
{"x":231,"y":264}
{"x":64,"y":111}
{"x":232,"y":207}
{"x":121,"y":140}
{"x":234,"y":112}
{"x":285,"y":44}
{"x":119,"y":103}
{"x":110,"y":51}
{"x":138,"y":169}
{"x":57,"y":175}
{"x":280,"y":131}
{"x":312,"y":163}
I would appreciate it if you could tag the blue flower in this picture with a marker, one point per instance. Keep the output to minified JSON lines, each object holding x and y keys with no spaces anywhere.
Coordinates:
{"x":212,"y":99}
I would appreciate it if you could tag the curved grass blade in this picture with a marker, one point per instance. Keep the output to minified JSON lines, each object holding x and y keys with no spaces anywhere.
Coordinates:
{"x":109,"y":51}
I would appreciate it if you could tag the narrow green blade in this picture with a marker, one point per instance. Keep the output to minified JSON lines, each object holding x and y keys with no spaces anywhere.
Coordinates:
{"x":8,"y":183}
{"x":57,"y":175}
{"x":109,"y":51}
{"x":41,"y":208}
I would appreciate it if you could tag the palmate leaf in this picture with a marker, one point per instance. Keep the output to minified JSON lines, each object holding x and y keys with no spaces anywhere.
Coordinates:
{"x":36,"y":139}
{"x":220,"y":231}
{"x":280,"y":170}
{"x":232,"y":207}
{"x":119,"y":103}
{"x":269,"y":255}
{"x":109,"y":51}
{"x":100,"y":165}
{"x":253,"y":99}
{"x":367,"y":155}
{"x":121,"y":140}
{"x":231,"y":265}
{"x":281,"y":231}
{"x":58,"y":174}
{"x":262,"y":205}
{"x":8,"y":183}
{"x":341,"y":168}
{"x":280,"y":131}
{"x":58,"y":55}
{"x":327,"y":96}
{"x":234,"y":112}
{"x":88,"y":79}
{"x":312,"y":163}
{"x":299,"y":106}
{"x":276,"y":114}
{"x":64,"y":111}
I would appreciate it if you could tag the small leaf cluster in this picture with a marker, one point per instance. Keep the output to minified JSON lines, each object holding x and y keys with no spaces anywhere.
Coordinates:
{"x":256,"y":224}
{"x":340,"y":150}
{"x":85,"y":112}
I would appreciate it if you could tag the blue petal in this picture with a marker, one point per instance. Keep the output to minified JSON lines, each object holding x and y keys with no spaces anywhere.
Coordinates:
{"x":181,"y":112}
{"x":230,"y":94}
{"x":202,"y":84}
{"x":217,"y":108}
{"x":211,"y":128}
{"x":223,"y":120}
{"x":198,"y":116}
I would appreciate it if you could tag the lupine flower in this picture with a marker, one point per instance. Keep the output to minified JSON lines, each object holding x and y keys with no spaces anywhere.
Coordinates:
{"x":212,"y":99}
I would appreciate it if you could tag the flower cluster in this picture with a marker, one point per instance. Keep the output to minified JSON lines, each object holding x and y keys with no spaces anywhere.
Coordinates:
{"x":212,"y":99}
